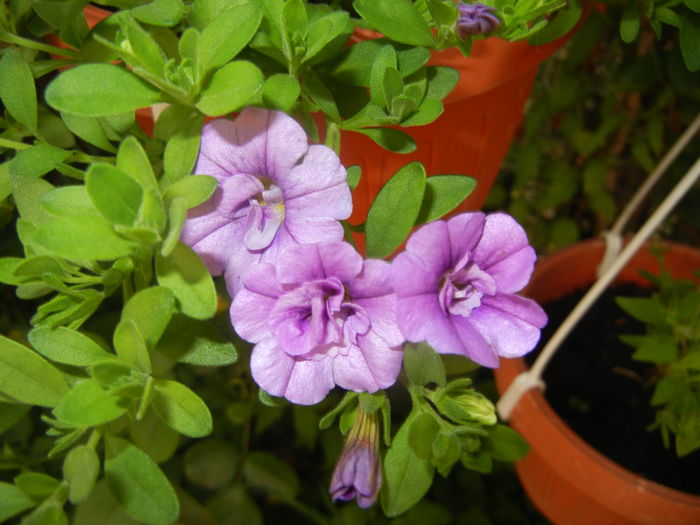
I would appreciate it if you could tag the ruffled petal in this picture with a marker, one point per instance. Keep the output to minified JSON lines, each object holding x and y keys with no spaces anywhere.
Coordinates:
{"x":509,"y":323}
{"x":258,"y":142}
{"x":271,"y":368}
{"x":308,"y":262}
{"x":504,"y":253}
{"x":310,"y":381}
{"x":371,"y":366}
{"x":307,"y":230}
{"x":475,"y":346}
{"x":318,"y":186}
{"x":251,"y":306}
{"x":421,"y":319}
{"x":411,"y":276}
{"x":465,"y":233}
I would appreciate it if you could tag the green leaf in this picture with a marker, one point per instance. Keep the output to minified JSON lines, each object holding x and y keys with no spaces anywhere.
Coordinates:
{"x":407,"y":476}
{"x":400,"y":20}
{"x":230,"y":88}
{"x":181,"y":409}
{"x":130,"y":345}
{"x":81,"y":237}
{"x":196,"y":342}
{"x":629,"y":24}
{"x":27,"y":377}
{"x":89,"y":129}
{"x":98,"y":90}
{"x":218,"y":43}
{"x":139,"y":485}
{"x":391,"y":139}
{"x":428,"y":111}
{"x":423,"y":365}
{"x":266,"y":472}
{"x":12,"y":501}
{"x":423,"y":431}
{"x":151,"y":310}
{"x":194,"y":190}
{"x":142,"y":51}
{"x":323,"y":31}
{"x":133,"y":160}
{"x":115,"y":194}
{"x":102,"y":508}
{"x":87,"y":404}
{"x":154,"y":437}
{"x":10,"y":415}
{"x":394,"y":210}
{"x":37,"y":160}
{"x":36,"y":485}
{"x":177,"y":213}
{"x":211,"y":463}
{"x":185,"y":274}
{"x":281,"y":91}
{"x":505,"y":444}
{"x":67,"y":346}
{"x":645,"y":309}
{"x":69,"y":200}
{"x":17,"y":89}
{"x":80,"y":470}
{"x":183,"y":144}
{"x":165,"y":13}
{"x":443,"y":193}
{"x":690,"y":40}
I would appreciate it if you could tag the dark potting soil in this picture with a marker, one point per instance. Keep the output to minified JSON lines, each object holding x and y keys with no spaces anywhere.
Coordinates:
{"x":603,"y":395}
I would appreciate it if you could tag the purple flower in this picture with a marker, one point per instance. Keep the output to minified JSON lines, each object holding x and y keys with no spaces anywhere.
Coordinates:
{"x":358,"y":473}
{"x":320,"y":317}
{"x":455,"y":285}
{"x":274,"y":191}
{"x":476,"y":19}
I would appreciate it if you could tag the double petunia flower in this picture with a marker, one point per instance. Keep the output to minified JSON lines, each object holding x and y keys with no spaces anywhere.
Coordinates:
{"x":320,"y":315}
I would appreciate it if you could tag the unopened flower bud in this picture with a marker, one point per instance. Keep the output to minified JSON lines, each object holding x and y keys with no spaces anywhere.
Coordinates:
{"x":476,"y":19}
{"x":358,"y":473}
{"x":464,"y":405}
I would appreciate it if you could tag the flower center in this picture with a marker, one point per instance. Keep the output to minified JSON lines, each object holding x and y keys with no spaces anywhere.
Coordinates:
{"x":315,"y":317}
{"x":265,"y":215}
{"x":462,"y":288}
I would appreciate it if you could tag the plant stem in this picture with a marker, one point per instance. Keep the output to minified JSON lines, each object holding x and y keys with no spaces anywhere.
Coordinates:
{"x":13,"y":144}
{"x":33,"y":44}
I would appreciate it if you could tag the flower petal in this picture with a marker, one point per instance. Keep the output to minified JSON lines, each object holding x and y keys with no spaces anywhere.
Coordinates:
{"x":308,"y":262}
{"x":510,"y":324}
{"x":271,"y":368}
{"x":475,"y":346}
{"x":310,"y":381}
{"x":504,"y":253}
{"x":371,"y":366}
{"x":318,"y":186}
{"x":250,"y":308}
{"x":258,"y":142}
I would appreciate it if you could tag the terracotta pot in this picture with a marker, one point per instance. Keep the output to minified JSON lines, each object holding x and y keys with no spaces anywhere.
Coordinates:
{"x":569,"y":481}
{"x":474,"y":132}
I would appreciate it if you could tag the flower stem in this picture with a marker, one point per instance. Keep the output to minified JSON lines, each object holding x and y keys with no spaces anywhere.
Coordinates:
{"x":33,"y":44}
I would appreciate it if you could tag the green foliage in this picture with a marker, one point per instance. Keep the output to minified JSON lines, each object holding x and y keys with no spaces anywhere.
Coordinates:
{"x":602,"y":115}
{"x":672,"y":343}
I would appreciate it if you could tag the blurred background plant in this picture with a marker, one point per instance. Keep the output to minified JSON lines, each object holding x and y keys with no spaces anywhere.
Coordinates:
{"x":602,"y":114}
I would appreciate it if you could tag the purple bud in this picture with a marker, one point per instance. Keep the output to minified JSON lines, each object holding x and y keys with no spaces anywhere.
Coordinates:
{"x":358,"y":473}
{"x":476,"y":19}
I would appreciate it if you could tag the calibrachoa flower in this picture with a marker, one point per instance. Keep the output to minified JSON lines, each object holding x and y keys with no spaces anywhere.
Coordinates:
{"x":456,"y":285}
{"x":358,"y":473}
{"x":275,"y":191}
{"x":476,"y":19}
{"x":320,"y":317}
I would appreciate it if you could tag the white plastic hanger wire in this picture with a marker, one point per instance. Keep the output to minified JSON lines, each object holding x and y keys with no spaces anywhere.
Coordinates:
{"x":613,"y":262}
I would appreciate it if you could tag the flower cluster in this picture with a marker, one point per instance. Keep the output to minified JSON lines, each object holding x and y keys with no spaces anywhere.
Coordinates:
{"x":321,"y":316}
